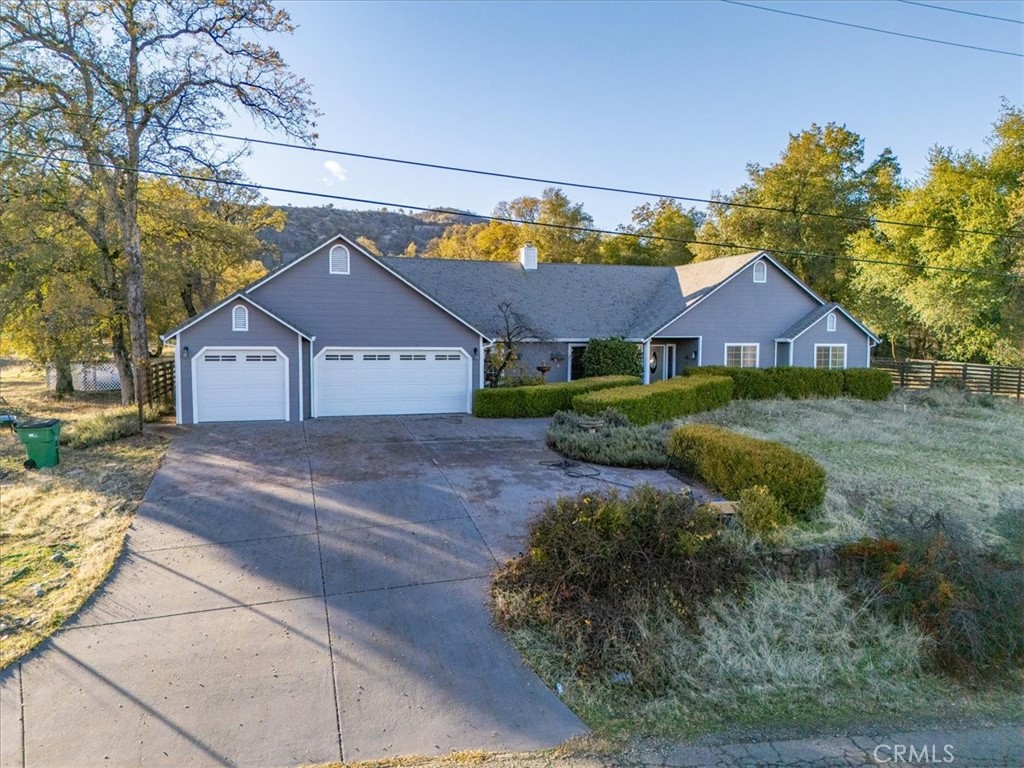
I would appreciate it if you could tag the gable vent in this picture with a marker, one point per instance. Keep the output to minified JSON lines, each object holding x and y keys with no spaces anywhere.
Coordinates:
{"x":239,"y":319}
{"x":339,"y":260}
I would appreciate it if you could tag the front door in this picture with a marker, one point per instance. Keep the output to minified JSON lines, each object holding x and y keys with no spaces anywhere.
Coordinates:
{"x":660,"y":362}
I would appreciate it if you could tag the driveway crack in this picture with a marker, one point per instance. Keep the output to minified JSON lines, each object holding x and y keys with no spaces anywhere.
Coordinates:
{"x":323,"y":587}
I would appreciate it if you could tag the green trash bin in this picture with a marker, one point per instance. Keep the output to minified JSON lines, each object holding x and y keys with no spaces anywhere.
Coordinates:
{"x":41,"y":439}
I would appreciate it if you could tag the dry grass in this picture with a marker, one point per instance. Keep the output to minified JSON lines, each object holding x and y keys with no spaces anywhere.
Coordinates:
{"x":62,"y":528}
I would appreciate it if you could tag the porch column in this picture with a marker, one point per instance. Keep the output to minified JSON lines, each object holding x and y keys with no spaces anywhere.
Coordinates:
{"x":646,"y":355}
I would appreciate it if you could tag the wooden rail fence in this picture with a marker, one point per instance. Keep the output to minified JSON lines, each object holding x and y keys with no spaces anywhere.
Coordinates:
{"x":921,"y":374}
{"x":161,"y":382}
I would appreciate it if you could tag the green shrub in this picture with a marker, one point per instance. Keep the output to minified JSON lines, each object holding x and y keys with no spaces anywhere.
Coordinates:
{"x":971,"y":604}
{"x":748,"y":383}
{"x":762,"y":514}
{"x":616,"y":442}
{"x":661,"y":401}
{"x":732,"y":463}
{"x":798,"y":383}
{"x":611,"y":357}
{"x":867,"y":383}
{"x":540,"y":400}
{"x":594,"y":559}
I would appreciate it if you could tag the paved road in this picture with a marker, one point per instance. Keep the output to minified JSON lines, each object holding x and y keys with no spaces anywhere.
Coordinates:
{"x":298,"y":594}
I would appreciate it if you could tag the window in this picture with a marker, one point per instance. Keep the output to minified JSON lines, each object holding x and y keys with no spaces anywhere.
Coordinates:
{"x":760,"y":272}
{"x":239,"y":319}
{"x":338,"y":258}
{"x":338,"y":358}
{"x":829,"y":355}
{"x":261,"y":358}
{"x":741,"y":355}
{"x":412,"y":357}
{"x":576,"y":361}
{"x":447,"y":357}
{"x":831,"y":322}
{"x":376,"y":357}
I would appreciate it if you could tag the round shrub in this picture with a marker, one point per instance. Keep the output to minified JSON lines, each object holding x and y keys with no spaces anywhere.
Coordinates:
{"x":610,"y":439}
{"x":731,"y":463}
{"x":762,"y":514}
{"x":612,"y":357}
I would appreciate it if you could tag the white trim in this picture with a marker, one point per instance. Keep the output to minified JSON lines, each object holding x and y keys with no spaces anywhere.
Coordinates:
{"x":239,"y":318}
{"x":830,"y":322}
{"x":177,"y":381}
{"x":830,"y":346}
{"x":851,"y":318}
{"x":764,"y":272}
{"x":645,"y":355}
{"x":217,"y":307}
{"x":469,"y":368}
{"x":330,"y":260}
{"x":739,"y":271}
{"x":568,"y":357}
{"x":287,"y":378}
{"x":867,"y":360}
{"x":700,"y":350}
{"x":775,"y":364}
{"x":757,"y":353}
{"x":791,"y":345}
{"x":312,"y":382}
{"x":480,"y":363}
{"x":302,"y":413}
{"x":352,"y":245}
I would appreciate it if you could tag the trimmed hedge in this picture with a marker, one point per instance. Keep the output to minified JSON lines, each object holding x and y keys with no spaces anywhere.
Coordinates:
{"x":661,"y":401}
{"x":867,"y":383}
{"x":611,"y":357}
{"x":732,"y":463}
{"x":539,"y":400}
{"x":798,"y":383}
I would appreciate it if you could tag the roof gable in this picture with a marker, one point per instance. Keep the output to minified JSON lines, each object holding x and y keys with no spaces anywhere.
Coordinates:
{"x":818,"y":314}
{"x":237,"y":295}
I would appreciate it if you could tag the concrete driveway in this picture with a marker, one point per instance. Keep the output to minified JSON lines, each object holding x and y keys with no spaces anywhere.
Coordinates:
{"x":300,"y":594}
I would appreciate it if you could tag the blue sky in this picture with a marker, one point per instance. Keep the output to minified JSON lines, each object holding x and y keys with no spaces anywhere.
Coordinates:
{"x":667,"y":97}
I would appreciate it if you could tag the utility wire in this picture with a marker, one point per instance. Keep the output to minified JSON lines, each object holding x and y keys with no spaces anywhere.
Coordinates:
{"x":876,"y":29}
{"x":965,"y":13}
{"x":506,"y":219}
{"x":871,"y":221}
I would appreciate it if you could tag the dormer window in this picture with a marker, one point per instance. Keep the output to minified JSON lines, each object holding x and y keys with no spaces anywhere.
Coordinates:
{"x":760,"y":272}
{"x":830,"y":323}
{"x":338,"y":258}
{"x":239,"y":319}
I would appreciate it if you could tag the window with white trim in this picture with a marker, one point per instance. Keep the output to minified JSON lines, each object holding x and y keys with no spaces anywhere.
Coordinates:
{"x":760,"y":272}
{"x":741,"y":355}
{"x":830,"y":322}
{"x":240,"y":319}
{"x":339,"y":260}
{"x":829,"y":355}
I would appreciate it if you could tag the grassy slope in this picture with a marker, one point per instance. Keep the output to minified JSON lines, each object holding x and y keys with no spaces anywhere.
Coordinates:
{"x":791,"y":660}
{"x":81,"y":508}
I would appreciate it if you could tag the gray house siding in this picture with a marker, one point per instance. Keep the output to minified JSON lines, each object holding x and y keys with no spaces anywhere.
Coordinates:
{"x":744,"y":312}
{"x":847,"y":333}
{"x":214,"y":330}
{"x":532,"y":354}
{"x":369,"y":307}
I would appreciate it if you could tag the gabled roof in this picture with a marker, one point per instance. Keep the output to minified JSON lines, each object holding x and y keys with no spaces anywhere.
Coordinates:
{"x":815,"y":316}
{"x":216,"y":307}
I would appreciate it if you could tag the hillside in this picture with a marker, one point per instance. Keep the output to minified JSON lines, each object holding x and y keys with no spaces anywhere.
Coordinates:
{"x":391,"y":230}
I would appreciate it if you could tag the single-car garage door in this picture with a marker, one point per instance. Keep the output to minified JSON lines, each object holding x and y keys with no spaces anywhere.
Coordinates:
{"x":377,"y":382}
{"x":241,"y":385}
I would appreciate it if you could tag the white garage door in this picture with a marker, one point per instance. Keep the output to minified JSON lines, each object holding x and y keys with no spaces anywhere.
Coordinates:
{"x":241,"y":385}
{"x":377,"y":382}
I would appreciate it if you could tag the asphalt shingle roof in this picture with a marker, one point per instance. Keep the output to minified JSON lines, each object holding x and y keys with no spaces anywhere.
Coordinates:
{"x":567,"y":301}
{"x":807,"y":321}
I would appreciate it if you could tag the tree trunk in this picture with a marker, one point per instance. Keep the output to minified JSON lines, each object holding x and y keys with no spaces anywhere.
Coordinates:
{"x":187,"y":300}
{"x":65,"y":382}
{"x":122,"y":359}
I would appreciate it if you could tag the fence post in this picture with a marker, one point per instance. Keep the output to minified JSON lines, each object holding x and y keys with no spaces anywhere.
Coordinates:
{"x":902,"y":366}
{"x":964,"y":374}
{"x":932,"y":382}
{"x":992,"y":380}
{"x":1020,"y":374}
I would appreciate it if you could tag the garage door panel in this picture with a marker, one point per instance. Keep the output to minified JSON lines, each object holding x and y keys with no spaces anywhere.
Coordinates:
{"x":241,"y":385}
{"x":390,"y":382}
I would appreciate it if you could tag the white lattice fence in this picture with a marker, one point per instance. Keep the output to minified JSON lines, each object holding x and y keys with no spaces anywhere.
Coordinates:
{"x":88,"y":377}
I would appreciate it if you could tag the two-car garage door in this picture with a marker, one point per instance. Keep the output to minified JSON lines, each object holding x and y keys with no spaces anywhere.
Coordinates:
{"x":359,"y":382}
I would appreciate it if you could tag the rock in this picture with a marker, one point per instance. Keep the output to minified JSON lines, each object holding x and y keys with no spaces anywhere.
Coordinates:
{"x":56,"y":557}
{"x":69,"y":563}
{"x":39,"y":592}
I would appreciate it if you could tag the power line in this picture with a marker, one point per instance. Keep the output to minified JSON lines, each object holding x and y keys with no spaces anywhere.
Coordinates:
{"x":965,"y":13}
{"x":561,"y":183}
{"x":505,"y":219}
{"x":876,"y":29}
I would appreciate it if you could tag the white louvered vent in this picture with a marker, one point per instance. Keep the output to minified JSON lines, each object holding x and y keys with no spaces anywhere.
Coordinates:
{"x":339,"y":259}
{"x":760,"y":272}
{"x":239,"y":319}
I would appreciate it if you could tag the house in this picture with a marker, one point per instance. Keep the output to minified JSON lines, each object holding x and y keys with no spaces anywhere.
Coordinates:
{"x":340,"y":332}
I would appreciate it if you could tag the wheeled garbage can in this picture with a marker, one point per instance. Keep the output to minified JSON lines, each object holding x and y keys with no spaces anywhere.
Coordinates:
{"x":41,"y":438}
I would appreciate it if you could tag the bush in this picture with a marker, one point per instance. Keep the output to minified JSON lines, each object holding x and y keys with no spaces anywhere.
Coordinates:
{"x":798,"y":383}
{"x":540,"y":400}
{"x":762,"y":514}
{"x":661,"y":401}
{"x":969,"y":603}
{"x":593,"y":560}
{"x":112,"y":425}
{"x":615,"y":443}
{"x":867,"y":383}
{"x":611,"y":357}
{"x":732,"y":463}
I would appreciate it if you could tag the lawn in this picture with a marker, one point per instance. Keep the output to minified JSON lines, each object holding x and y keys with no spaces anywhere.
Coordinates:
{"x":62,"y":528}
{"x":787,"y":659}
